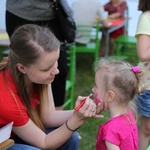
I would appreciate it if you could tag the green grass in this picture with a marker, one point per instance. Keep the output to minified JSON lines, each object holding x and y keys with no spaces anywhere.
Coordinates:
{"x":84,"y":83}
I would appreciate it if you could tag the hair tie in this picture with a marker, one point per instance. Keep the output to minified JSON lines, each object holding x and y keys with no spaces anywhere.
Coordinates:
{"x":136,"y":69}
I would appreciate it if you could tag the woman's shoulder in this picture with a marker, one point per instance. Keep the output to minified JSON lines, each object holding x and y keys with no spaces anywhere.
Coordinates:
{"x":143,"y":24}
{"x":11,"y":106}
{"x":145,"y":15}
{"x":144,"y":19}
{"x":6,"y":80}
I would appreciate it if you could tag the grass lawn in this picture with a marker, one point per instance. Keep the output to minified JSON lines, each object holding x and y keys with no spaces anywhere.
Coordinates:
{"x":84,"y":83}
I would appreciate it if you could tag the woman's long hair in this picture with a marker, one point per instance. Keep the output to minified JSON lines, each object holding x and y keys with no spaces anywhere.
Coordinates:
{"x":27,"y":42}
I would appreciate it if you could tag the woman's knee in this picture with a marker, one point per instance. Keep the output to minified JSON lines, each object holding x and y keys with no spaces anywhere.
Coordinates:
{"x":72,"y":143}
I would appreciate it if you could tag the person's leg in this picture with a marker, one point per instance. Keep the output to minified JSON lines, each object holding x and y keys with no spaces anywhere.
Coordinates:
{"x":59,"y":84}
{"x":144,"y":133}
{"x":111,"y":50}
{"x":143,"y":106}
{"x":71,"y":144}
{"x":12,"y":22}
{"x":22,"y":147}
{"x":102,"y":46}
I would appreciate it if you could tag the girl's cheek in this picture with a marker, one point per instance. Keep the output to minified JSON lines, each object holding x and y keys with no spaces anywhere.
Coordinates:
{"x":96,"y":98}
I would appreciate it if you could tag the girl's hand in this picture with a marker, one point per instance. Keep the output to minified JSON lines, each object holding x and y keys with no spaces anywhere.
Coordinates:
{"x":100,"y":107}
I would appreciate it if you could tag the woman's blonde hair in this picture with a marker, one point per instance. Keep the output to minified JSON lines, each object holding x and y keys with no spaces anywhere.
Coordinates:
{"x":27,"y":42}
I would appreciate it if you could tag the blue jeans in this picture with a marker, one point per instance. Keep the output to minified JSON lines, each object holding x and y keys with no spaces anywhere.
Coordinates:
{"x":71,"y":144}
{"x":143,"y":103}
{"x":22,"y":147}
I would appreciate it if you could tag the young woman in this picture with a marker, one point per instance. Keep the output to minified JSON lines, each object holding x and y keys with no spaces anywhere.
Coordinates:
{"x":26,"y":97}
{"x":143,"y":47}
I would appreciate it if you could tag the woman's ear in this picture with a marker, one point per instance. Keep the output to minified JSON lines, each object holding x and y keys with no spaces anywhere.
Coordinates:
{"x":111,"y":96}
{"x":21,"y":68}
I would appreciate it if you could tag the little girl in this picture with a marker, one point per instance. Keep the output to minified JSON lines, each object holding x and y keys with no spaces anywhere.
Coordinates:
{"x":116,"y":9}
{"x":116,"y":83}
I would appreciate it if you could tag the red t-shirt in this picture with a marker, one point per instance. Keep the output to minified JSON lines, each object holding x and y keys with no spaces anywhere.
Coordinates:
{"x":120,"y":8}
{"x":111,"y":9}
{"x":12,"y":109}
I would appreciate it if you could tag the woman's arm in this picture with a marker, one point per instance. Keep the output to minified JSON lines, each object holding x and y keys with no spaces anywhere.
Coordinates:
{"x":33,"y":135}
{"x":114,"y":15}
{"x":55,"y":118}
{"x":143,"y":47}
{"x":50,"y":113}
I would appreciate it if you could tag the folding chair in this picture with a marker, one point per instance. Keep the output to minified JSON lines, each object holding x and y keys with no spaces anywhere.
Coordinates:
{"x":87,"y":40}
{"x":6,"y":144}
{"x":125,"y":45}
{"x":70,"y":83}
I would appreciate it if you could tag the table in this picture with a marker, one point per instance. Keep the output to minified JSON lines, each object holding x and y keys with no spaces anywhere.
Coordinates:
{"x":115,"y":24}
{"x":4,"y":39}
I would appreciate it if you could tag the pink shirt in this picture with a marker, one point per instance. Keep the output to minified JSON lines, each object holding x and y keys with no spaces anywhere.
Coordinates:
{"x":121,"y":131}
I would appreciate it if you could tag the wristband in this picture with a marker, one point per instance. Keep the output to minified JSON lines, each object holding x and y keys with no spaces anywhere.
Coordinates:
{"x":69,"y":128}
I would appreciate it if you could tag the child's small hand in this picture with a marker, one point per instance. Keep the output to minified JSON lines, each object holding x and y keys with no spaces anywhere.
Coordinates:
{"x":101,"y":107}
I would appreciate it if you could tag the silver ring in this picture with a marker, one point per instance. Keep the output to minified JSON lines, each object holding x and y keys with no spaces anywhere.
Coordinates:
{"x":92,"y":110}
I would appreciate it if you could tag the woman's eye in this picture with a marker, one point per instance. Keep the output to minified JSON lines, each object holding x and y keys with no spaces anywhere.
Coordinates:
{"x":46,"y":69}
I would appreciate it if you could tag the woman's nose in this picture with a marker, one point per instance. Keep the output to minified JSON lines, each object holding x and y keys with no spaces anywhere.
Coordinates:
{"x":55,"y":71}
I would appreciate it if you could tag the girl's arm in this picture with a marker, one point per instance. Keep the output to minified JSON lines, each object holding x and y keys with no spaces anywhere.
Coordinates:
{"x":143,"y":47}
{"x":114,"y":15}
{"x":111,"y":146}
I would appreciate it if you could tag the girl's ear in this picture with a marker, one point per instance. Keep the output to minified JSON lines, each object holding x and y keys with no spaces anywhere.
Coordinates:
{"x":21,"y":68}
{"x":111,"y":96}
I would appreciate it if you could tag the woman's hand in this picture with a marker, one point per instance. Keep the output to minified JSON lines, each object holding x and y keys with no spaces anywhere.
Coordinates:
{"x":88,"y":110}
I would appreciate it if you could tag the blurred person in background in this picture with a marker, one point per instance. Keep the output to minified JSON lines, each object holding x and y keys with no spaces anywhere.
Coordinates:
{"x":116,"y":10}
{"x":88,"y":12}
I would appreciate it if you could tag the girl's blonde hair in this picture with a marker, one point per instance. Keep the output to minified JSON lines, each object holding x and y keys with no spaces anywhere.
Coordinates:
{"x":27,"y":42}
{"x":120,"y":77}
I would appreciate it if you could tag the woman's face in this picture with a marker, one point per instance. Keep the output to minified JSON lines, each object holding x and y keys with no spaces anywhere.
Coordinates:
{"x":45,"y":69}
